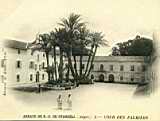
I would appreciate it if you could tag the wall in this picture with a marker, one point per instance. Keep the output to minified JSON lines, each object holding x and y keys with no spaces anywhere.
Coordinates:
{"x":116,"y":61}
{"x":25,"y":57}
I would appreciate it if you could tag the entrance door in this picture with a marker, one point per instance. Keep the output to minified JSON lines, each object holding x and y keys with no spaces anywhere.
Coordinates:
{"x":111,"y":78}
{"x":37,"y":76}
{"x":101,"y":77}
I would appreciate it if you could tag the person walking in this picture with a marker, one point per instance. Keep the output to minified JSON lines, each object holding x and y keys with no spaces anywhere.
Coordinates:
{"x":59,"y":102}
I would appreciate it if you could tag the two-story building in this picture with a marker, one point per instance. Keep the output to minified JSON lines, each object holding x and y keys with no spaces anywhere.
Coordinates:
{"x":19,"y":66}
{"x":121,"y":69}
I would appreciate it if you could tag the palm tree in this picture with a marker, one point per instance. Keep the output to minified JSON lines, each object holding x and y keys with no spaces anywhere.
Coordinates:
{"x":98,"y":39}
{"x":54,"y":45}
{"x":83,"y":42}
{"x":60,"y":36}
{"x":71,"y":25}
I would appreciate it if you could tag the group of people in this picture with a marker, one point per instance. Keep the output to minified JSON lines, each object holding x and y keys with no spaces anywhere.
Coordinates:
{"x":69,"y":102}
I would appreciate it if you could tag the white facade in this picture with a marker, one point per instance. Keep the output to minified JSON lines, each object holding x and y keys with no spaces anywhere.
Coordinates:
{"x":126,"y":69}
{"x":29,"y":65}
{"x":21,"y":67}
{"x":123,"y":69}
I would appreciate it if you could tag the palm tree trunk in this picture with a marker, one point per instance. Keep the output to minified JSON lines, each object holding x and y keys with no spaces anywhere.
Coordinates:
{"x":61,"y":65}
{"x":68,"y":70}
{"x":93,"y":56}
{"x":80,"y":66}
{"x":55,"y":65}
{"x":52,"y":75}
{"x":47,"y":58}
{"x":70,"y":65}
{"x":75,"y":65}
{"x":88,"y":61}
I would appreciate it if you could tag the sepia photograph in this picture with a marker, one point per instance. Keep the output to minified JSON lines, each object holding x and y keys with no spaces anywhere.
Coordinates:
{"x":80,"y":60}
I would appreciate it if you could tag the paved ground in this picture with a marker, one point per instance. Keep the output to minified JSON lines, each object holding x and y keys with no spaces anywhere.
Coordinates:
{"x":94,"y":96}
{"x":104,"y":99}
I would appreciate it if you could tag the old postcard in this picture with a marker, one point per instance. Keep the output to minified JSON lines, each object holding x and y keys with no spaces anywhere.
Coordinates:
{"x":80,"y":60}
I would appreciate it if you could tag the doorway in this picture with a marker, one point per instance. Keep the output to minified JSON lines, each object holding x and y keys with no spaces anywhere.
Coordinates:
{"x":111,"y":78}
{"x":101,"y":78}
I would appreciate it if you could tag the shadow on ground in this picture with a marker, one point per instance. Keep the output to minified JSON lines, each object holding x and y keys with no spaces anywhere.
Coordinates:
{"x":31,"y":89}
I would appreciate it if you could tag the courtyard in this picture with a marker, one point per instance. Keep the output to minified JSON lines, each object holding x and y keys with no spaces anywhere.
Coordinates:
{"x":93,"y":96}
{"x":98,"y":99}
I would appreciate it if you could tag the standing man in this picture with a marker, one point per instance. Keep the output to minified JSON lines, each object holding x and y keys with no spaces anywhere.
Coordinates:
{"x":59,"y":102}
{"x":69,"y":102}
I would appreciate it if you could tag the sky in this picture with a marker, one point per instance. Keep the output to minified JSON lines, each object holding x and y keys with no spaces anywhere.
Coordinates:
{"x":119,"y":20}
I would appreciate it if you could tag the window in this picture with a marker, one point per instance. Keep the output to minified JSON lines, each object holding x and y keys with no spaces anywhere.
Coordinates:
{"x":31,"y":65}
{"x":39,"y":67}
{"x":121,"y":78}
{"x":18,"y":65}
{"x":19,"y":51}
{"x":5,"y":53}
{"x":101,"y":67}
{"x":42,"y":76}
{"x":38,"y":57}
{"x":132,"y":68}
{"x":2,"y":63}
{"x":43,"y":65}
{"x":121,"y":68}
{"x":43,"y":55}
{"x":111,"y":67}
{"x":18,"y":78}
{"x":35,"y":66}
{"x":143,"y":68}
{"x":31,"y":77}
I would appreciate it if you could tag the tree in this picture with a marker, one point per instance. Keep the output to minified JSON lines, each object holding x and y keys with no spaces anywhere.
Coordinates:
{"x":54,"y":43}
{"x":78,"y":39}
{"x":73,"y":39}
{"x":72,"y":24}
{"x":61,"y":36}
{"x":98,"y":39}
{"x":139,"y":46}
{"x":82,"y":43}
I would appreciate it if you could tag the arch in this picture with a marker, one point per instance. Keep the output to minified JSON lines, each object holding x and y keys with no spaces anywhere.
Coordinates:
{"x":101,"y":77}
{"x":111,"y":78}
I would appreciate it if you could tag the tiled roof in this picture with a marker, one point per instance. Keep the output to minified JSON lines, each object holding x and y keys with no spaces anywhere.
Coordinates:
{"x":15,"y":44}
{"x":115,"y":58}
{"x":119,"y":58}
